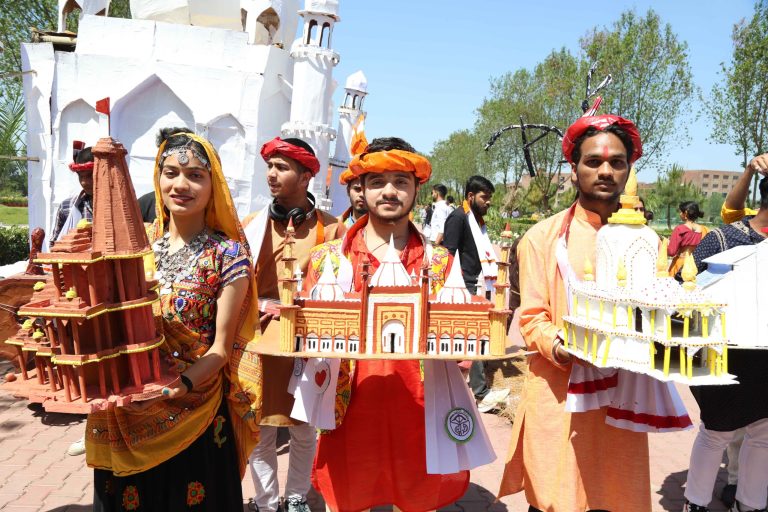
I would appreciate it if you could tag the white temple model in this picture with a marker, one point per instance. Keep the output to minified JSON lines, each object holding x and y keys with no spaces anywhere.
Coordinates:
{"x":621,"y":316}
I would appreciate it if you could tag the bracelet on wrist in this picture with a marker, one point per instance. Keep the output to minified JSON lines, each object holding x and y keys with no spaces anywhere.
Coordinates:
{"x":555,"y":357}
{"x":187,"y":382}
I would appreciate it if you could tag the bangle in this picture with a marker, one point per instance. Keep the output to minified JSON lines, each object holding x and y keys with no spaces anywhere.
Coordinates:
{"x":187,"y":382}
{"x":555,"y":358}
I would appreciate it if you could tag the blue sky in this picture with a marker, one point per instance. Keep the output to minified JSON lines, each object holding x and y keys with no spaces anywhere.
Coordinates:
{"x":428,"y":63}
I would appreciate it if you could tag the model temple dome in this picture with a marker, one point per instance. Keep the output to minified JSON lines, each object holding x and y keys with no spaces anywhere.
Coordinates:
{"x":391,"y":272}
{"x":454,"y":291}
{"x":327,"y":288}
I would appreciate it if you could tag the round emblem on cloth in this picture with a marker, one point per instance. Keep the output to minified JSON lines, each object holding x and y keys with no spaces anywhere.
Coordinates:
{"x":298,"y":367}
{"x":322,"y":376}
{"x":459,"y":424}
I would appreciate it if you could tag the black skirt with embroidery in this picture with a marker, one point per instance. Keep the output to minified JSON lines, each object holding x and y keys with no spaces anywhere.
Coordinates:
{"x":204,"y":477}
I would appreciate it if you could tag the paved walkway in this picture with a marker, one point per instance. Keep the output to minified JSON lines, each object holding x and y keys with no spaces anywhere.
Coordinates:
{"x":37,"y":475}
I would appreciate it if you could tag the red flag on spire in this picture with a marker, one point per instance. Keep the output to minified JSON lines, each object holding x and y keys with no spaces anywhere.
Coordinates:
{"x":102,"y":108}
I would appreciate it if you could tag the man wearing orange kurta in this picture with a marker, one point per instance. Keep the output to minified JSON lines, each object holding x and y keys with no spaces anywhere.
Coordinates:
{"x":572,"y":462}
{"x":377,"y":454}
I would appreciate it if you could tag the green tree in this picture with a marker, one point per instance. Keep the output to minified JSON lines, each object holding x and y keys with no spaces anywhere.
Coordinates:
{"x":712,"y":206}
{"x":549,"y":94}
{"x":738,"y":105}
{"x":670,"y":191}
{"x":13,"y":173}
{"x":454,"y":160}
{"x":16,"y":19}
{"x":652,"y":80}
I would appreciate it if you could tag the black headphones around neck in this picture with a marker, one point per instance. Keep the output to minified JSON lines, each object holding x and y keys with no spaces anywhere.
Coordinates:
{"x":280,"y":214}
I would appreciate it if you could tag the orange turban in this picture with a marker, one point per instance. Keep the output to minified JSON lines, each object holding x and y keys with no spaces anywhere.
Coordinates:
{"x":346,"y":176}
{"x":391,"y":161}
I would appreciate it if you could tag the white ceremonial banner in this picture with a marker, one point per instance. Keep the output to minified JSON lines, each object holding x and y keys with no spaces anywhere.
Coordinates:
{"x":315,"y":392}
{"x":455,"y":434}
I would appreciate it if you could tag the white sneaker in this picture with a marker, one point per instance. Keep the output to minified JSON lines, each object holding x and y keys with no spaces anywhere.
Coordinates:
{"x":77,"y":448}
{"x":492,"y":399}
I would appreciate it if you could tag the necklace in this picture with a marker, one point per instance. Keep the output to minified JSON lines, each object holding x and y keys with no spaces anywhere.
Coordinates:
{"x":171,"y":267}
{"x":365,"y":239}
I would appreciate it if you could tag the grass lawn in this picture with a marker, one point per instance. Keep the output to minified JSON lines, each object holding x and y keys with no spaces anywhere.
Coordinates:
{"x":11,"y":215}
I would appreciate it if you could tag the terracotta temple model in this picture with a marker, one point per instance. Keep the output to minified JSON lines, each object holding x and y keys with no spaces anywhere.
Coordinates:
{"x":91,"y":327}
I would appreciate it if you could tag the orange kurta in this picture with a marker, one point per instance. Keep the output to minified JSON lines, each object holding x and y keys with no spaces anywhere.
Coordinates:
{"x":565,"y":462}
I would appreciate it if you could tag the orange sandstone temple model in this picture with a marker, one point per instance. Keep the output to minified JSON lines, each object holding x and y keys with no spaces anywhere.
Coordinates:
{"x":91,"y":327}
{"x":393,"y":317}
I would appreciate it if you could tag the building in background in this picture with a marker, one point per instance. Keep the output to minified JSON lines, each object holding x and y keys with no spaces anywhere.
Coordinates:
{"x":351,"y":117}
{"x":230,"y":70}
{"x":712,"y":183}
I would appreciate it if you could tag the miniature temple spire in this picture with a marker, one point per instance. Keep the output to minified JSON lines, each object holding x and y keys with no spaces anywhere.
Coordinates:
{"x":661,"y":261}
{"x":454,"y":291}
{"x":327,"y":287}
{"x":689,"y":273}
{"x":288,"y":283}
{"x":627,"y":213}
{"x":391,"y":272}
{"x":118,"y":228}
{"x":589,"y":271}
{"x":621,"y":273}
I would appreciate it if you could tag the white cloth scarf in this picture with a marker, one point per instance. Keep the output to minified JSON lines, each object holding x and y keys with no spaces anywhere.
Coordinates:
{"x":485,"y":250}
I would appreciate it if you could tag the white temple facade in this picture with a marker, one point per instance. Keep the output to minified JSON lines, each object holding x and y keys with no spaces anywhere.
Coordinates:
{"x":229,"y":70}
{"x":314,"y":60}
{"x":351,"y":117}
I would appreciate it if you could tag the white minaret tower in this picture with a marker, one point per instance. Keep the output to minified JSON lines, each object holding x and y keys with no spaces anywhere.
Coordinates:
{"x":313,"y":85}
{"x":350,"y":114}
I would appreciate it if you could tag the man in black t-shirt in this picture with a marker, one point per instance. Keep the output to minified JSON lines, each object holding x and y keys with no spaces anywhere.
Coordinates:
{"x":457,"y":234}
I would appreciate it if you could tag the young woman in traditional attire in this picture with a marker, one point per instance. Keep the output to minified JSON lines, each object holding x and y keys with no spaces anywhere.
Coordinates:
{"x":686,"y":236}
{"x":189,"y":446}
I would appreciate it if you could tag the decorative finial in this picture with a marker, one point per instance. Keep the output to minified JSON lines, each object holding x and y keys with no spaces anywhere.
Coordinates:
{"x":661,"y":261}
{"x":627,"y":213}
{"x":630,"y":189}
{"x":689,"y":273}
{"x":290,"y":230}
{"x":39,"y":286}
{"x":71,"y":294}
{"x":589,"y":271}
{"x":507,"y":233}
{"x":37,"y":334}
{"x":84,"y":224}
{"x":28,"y":324}
{"x":621,"y":273}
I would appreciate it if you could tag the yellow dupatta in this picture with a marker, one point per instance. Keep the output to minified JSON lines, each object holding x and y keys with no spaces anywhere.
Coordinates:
{"x":127,"y":442}
{"x":244,"y":369}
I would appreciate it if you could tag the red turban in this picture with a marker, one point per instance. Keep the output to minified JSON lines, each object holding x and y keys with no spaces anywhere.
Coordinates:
{"x":301,"y":155}
{"x":578,"y":128}
{"x":77,"y":147}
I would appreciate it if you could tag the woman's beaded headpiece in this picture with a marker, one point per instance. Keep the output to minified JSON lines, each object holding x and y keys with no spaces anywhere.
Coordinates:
{"x":181,"y":152}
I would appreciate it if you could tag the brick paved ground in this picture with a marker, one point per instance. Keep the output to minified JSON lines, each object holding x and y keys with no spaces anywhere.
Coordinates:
{"x":37,"y":475}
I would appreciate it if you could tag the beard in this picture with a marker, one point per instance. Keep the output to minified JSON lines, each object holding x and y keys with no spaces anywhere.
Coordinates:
{"x":610,"y":197}
{"x":478,"y":210}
